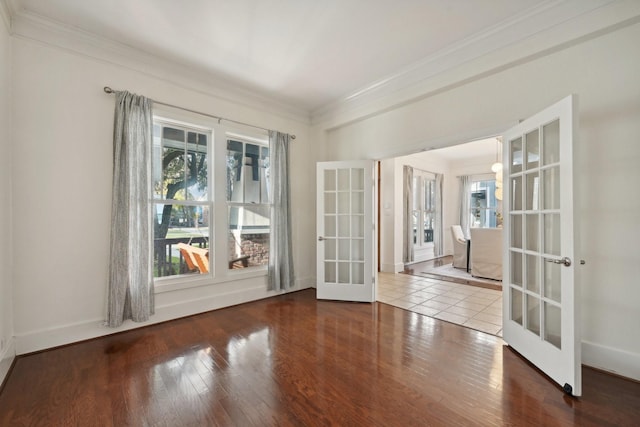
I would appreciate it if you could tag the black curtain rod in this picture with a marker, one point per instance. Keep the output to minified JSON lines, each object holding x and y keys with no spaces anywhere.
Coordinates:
{"x":108,"y":90}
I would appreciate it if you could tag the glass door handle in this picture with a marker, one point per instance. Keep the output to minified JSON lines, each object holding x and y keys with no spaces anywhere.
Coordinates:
{"x":566,"y":261}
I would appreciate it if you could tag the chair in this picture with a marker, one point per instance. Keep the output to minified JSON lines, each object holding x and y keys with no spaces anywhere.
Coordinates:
{"x":195,"y":257}
{"x":459,"y":247}
{"x":486,"y":253}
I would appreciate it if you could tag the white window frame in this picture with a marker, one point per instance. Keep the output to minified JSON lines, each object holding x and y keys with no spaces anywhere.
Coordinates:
{"x":420,"y":246}
{"x":491,"y":211}
{"x":220,"y":132}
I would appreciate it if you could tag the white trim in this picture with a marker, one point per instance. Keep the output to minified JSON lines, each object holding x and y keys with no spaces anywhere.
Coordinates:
{"x":7,"y":357}
{"x":42,"y":339}
{"x":612,"y":360}
{"x":542,"y":30}
{"x":33,"y":27}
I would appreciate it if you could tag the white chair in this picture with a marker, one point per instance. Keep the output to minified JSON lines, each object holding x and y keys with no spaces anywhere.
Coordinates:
{"x":486,"y":253}
{"x":459,"y":247}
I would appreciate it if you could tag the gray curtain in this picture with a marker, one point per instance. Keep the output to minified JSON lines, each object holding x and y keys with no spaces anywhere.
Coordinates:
{"x":280,"y":272}
{"x":407,"y":251}
{"x":465,"y":196}
{"x":438,"y":242}
{"x":131,"y":294}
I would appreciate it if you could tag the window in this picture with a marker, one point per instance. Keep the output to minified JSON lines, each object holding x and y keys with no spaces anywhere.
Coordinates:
{"x":248,"y":202}
{"x":483,"y":204}
{"x":182,"y":205}
{"x":208,"y":221}
{"x":424,"y":194}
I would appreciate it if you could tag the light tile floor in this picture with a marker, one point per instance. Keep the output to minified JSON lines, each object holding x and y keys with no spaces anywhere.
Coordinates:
{"x":470,"y":306}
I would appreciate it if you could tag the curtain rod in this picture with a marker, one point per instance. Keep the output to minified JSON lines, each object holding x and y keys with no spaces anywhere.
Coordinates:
{"x":108,"y":90}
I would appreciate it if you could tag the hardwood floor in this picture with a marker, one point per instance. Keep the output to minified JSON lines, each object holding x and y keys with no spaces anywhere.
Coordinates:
{"x":293,"y":360}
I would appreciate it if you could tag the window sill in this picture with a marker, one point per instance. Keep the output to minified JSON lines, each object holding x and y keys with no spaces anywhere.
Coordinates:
{"x":187,"y":282}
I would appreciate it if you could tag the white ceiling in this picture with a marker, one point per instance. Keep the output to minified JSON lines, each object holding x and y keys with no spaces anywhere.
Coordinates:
{"x":306,"y":53}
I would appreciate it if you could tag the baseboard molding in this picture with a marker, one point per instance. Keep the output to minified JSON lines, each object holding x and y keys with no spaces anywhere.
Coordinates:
{"x":392,"y":268}
{"x":612,"y":360}
{"x":6,"y":360}
{"x":68,"y":334}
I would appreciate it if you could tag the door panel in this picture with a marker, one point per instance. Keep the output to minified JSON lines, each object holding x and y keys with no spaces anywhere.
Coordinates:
{"x":345,"y":231}
{"x":541,"y":300}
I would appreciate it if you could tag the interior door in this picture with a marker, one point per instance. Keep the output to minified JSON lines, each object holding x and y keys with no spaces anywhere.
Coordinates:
{"x":541,"y":300}
{"x":345,"y":228}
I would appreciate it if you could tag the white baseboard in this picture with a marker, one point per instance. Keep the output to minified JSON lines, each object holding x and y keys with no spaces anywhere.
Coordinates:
{"x":306,"y":282}
{"x":612,"y":360}
{"x":67,"y":334}
{"x":392,"y":268}
{"x":6,"y":359}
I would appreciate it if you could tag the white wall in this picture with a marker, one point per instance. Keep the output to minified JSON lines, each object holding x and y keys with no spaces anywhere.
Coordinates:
{"x":62,"y":191}
{"x":604,"y":72}
{"x":6,"y":316}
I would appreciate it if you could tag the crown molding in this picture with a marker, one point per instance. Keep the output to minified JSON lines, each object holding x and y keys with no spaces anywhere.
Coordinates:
{"x":30,"y":26}
{"x":548,"y":26}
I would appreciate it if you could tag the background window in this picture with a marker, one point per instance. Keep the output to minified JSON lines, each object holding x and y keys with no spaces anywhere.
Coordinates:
{"x":483,"y":204}
{"x":423,"y":210}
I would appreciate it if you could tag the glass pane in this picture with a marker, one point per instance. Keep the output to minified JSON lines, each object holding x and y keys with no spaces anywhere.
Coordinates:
{"x":357,"y":226}
{"x":343,"y":179}
{"x":552,"y":325}
{"x":533,"y":149}
{"x":516,"y":306}
{"x":330,"y":180}
{"x":416,"y":192}
{"x":330,"y":203}
{"x":533,"y":314}
{"x":428,"y":227}
{"x":531,"y":227}
{"x":329,"y":226}
{"x":516,"y":194}
{"x":173,"y":184}
{"x":516,"y":268}
{"x":552,"y":281}
{"x":515,"y":155}
{"x":330,"y":272}
{"x":357,"y":179}
{"x":344,"y":254}
{"x":251,"y":171}
{"x":343,"y":202}
{"x":414,"y":219}
{"x":357,"y":205}
{"x":357,"y":250}
{"x":343,"y":225}
{"x":533,"y":273}
{"x":551,"y":182}
{"x":357,"y":269}
{"x":330,"y":252}
{"x":343,"y":272}
{"x":265,"y":173}
{"x":552,"y":234}
{"x":533,"y":191}
{"x":196,"y":168}
{"x":235,"y":189}
{"x":249,"y":228}
{"x":175,"y":224}
{"x":516,"y":231}
{"x":551,"y":142}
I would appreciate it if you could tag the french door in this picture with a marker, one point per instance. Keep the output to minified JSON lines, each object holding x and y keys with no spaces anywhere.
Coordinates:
{"x":345,"y":231}
{"x":541,"y":299}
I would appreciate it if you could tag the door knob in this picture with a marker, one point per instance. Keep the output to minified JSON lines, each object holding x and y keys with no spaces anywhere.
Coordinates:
{"x":565,"y":261}
{"x":320,"y":239}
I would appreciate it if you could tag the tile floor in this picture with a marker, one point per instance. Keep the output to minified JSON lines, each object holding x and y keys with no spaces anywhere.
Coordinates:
{"x":470,"y":306}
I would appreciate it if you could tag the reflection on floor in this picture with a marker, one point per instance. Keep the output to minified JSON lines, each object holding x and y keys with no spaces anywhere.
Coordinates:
{"x":471,"y":306}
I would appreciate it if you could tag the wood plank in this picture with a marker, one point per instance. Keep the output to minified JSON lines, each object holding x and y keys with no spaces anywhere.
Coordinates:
{"x":294,"y":360}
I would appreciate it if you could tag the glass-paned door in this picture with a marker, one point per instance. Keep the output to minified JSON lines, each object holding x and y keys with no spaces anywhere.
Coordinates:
{"x":541,"y":305}
{"x":345,"y":252}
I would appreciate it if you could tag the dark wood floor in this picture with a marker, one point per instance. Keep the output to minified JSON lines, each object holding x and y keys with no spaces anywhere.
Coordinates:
{"x":292,"y":360}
